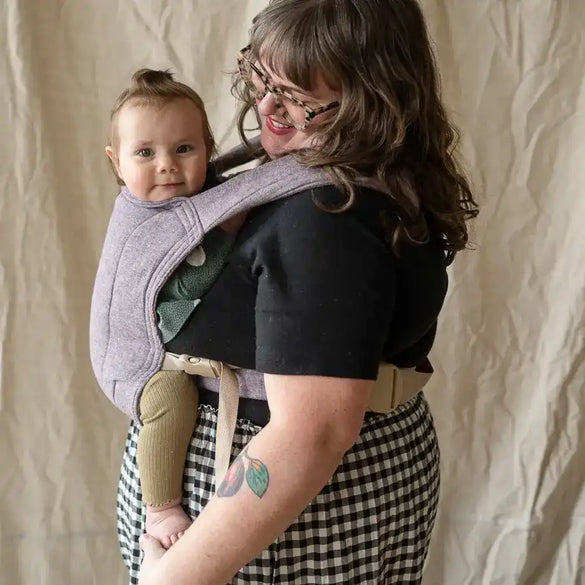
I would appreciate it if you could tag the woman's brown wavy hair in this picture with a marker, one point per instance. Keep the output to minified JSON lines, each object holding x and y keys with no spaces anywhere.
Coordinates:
{"x":391,"y":130}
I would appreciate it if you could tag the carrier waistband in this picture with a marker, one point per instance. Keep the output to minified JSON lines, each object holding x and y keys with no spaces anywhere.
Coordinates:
{"x":393,"y":387}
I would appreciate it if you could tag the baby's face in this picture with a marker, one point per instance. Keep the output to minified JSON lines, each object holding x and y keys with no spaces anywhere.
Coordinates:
{"x":161,"y":150}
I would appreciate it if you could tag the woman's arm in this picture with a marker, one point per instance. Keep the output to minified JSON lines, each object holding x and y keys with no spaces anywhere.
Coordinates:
{"x":314,"y":421}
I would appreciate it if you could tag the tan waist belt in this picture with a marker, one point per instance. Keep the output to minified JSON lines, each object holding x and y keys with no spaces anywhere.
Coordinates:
{"x":394,"y":386}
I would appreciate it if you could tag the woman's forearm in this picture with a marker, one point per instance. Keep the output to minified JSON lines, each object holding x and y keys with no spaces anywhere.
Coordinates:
{"x":241,"y":521}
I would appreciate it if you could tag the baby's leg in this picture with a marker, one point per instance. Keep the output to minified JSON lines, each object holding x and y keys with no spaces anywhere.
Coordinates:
{"x":168,"y":410}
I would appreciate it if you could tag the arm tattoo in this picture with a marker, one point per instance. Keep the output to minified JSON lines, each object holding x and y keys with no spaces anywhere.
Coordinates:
{"x":255,"y":472}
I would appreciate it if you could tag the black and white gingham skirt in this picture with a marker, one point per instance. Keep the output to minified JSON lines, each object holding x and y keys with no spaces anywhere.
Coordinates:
{"x":370,"y":525}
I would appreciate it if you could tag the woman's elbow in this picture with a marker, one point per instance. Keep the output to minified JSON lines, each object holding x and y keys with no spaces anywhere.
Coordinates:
{"x":336,"y":437}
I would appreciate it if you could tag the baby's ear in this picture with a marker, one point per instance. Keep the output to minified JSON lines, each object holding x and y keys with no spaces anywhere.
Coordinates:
{"x":114,"y":164}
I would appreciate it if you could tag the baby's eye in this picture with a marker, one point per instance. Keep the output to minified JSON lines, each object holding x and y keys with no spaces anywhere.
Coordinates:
{"x":145,"y":152}
{"x":184,"y":148}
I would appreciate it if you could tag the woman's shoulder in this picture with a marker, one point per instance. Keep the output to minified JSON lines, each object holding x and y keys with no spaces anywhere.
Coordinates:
{"x":309,"y":218}
{"x":303,"y":226}
{"x":327,"y":205}
{"x":323,"y":212}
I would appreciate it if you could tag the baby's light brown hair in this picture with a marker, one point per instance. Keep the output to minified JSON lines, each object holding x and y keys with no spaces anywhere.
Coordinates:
{"x":151,"y":87}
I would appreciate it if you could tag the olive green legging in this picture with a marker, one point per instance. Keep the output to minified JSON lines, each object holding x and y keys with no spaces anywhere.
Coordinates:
{"x":168,"y":411}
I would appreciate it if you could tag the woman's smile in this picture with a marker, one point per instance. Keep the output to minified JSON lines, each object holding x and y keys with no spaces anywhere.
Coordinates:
{"x":279,"y":128}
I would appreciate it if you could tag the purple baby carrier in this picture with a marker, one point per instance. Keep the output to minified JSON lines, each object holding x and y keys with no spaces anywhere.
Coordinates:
{"x":145,"y":242}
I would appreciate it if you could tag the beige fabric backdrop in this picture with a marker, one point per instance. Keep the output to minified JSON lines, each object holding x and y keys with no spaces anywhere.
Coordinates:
{"x":510,"y":355}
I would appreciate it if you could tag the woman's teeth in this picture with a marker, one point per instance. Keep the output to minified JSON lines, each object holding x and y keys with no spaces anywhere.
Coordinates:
{"x":278,"y":124}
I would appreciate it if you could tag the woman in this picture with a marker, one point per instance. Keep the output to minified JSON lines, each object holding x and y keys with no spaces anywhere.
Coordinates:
{"x":320,"y":288}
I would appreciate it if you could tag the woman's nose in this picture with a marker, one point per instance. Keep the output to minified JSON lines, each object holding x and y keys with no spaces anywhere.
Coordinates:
{"x":268,"y":104}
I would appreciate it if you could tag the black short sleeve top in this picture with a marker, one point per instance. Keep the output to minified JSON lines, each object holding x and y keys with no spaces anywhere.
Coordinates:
{"x":306,"y":291}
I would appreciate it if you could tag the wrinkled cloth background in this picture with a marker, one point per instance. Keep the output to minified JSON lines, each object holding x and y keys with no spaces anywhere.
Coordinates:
{"x":510,"y":355}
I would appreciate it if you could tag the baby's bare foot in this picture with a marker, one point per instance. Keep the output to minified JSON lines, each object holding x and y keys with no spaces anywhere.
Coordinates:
{"x":167,"y":524}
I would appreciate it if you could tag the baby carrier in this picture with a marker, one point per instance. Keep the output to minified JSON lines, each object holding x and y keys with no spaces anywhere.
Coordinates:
{"x":145,"y":242}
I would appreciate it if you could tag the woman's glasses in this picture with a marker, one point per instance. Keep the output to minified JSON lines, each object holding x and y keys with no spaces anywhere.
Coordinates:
{"x":296,"y":112}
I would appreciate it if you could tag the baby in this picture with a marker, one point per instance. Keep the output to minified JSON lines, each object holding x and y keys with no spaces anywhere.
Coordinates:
{"x":160,"y":147}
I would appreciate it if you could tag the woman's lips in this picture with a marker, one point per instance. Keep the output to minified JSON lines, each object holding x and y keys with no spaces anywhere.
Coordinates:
{"x":277,"y":129}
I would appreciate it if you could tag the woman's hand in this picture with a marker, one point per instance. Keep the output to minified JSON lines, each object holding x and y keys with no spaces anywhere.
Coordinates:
{"x":153,"y":552}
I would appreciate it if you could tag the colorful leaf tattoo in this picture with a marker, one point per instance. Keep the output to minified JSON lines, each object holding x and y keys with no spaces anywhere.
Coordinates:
{"x":256,"y":476}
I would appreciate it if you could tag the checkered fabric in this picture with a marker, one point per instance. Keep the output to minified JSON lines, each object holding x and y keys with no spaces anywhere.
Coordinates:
{"x":370,"y":525}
